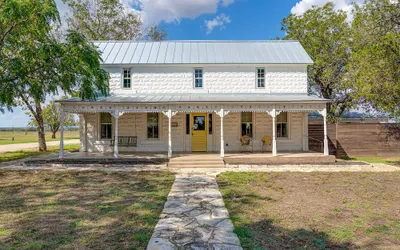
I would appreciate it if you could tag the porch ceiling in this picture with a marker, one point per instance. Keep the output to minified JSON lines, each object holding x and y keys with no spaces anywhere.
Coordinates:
{"x":170,"y":98}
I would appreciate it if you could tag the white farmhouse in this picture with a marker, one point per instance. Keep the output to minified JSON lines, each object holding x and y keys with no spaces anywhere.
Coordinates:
{"x":200,"y":96}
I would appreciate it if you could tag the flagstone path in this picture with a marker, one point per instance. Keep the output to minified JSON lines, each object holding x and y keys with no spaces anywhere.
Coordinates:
{"x":194,"y":217}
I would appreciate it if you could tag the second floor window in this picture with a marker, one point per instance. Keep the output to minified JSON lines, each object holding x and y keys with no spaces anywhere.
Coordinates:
{"x":198,"y":78}
{"x":281,"y":125}
{"x":260,"y":78}
{"x":127,"y":79}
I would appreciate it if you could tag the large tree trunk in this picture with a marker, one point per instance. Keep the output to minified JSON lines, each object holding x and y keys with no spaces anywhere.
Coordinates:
{"x":41,"y":134}
{"x":53,"y":134}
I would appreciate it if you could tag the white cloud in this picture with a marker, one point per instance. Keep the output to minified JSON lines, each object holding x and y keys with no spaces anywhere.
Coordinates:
{"x":304,"y":5}
{"x":219,"y":21}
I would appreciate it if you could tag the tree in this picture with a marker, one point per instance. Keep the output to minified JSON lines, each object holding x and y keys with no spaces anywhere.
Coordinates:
{"x":108,"y":20}
{"x":34,"y":64}
{"x":375,"y":57}
{"x":52,"y":118}
{"x":326,"y":36}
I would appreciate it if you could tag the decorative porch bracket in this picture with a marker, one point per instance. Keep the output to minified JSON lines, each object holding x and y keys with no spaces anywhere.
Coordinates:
{"x":273,"y":113}
{"x":62,"y":118}
{"x":116,"y":114}
{"x":326,"y":146}
{"x":169,"y":114}
{"x":222,"y":113}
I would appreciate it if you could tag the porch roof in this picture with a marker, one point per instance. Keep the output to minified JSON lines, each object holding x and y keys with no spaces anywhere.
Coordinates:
{"x":170,"y":98}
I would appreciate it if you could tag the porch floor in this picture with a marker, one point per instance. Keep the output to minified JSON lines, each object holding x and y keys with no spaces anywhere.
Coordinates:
{"x":289,"y":157}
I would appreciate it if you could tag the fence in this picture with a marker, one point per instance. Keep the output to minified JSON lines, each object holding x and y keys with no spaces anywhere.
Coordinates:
{"x":356,"y":139}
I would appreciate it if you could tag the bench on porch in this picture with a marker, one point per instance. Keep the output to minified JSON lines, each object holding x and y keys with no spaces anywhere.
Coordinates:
{"x":125,"y":141}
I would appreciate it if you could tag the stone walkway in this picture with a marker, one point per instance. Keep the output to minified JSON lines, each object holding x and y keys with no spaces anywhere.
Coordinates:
{"x":194,"y":217}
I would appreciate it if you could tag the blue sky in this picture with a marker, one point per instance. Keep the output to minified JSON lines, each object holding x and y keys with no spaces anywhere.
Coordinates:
{"x":206,"y":20}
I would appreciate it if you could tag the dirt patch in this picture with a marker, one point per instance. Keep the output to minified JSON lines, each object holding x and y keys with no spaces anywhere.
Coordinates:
{"x":80,"y":209}
{"x":314,"y":210}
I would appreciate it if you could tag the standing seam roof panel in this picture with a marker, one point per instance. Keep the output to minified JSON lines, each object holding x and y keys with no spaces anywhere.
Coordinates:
{"x":144,"y":58}
{"x":114,"y":52}
{"x":122,"y":52}
{"x":129,"y":53}
{"x":162,"y":52}
{"x":154,"y":53}
{"x":138,"y":53}
{"x":101,"y":46}
{"x":107,"y":50}
{"x":210,"y":51}
{"x":186,"y":53}
{"x":178,"y":53}
{"x":194,"y":53}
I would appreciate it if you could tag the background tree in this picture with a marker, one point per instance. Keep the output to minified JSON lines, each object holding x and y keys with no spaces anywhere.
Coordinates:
{"x":34,"y":64}
{"x":326,"y":36}
{"x":375,"y":57}
{"x":109,"y":20}
{"x":52,"y":118}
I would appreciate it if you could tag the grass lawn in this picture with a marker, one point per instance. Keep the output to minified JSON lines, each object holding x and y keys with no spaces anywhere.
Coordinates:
{"x":21,"y":154}
{"x":30,"y":136}
{"x":80,"y":210}
{"x":314,"y":210}
{"x":394,"y":160}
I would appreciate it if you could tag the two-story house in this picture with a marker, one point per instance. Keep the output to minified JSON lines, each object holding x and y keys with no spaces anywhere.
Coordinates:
{"x":199,"y":96}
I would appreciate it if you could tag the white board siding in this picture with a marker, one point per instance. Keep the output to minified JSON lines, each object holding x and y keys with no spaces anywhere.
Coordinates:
{"x":216,"y":79}
{"x":135,"y":125}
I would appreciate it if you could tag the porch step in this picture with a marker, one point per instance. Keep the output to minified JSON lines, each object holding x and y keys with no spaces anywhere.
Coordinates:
{"x":196,"y":162}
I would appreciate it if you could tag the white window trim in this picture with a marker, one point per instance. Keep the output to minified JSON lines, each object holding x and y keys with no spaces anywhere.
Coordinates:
{"x":194,"y":78}
{"x":122,"y":78}
{"x":265,"y":78}
{"x":99,"y":128}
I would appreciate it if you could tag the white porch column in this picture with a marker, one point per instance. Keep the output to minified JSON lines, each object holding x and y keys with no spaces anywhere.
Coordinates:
{"x":62,"y":117}
{"x":326,"y":145}
{"x":116,"y":114}
{"x":169,"y":114}
{"x":305,"y":131}
{"x":221,"y":114}
{"x":273,"y":114}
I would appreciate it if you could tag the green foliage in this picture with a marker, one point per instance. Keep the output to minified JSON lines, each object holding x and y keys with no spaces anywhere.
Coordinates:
{"x":325,"y":35}
{"x":109,"y":20}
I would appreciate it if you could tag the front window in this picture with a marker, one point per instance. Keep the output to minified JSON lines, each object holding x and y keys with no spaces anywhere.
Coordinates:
{"x":198,"y":78}
{"x":260,"y":78}
{"x":105,"y":126}
{"x":281,"y":125}
{"x":127,"y":79}
{"x":152,"y":126}
{"x":247,"y":124}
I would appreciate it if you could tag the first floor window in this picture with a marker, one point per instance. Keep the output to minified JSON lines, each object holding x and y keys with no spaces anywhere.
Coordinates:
{"x":198,"y":78}
{"x":127,"y":79}
{"x":152,"y":125}
{"x":260,"y":78}
{"x":105,"y":126}
{"x":281,"y":125}
{"x":247,"y":124}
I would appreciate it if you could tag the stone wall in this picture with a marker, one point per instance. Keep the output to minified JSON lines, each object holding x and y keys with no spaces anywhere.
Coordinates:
{"x":132,"y":124}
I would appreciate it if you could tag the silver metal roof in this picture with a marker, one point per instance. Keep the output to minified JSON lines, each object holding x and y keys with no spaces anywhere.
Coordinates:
{"x":201,"y":98}
{"x":203,"y":52}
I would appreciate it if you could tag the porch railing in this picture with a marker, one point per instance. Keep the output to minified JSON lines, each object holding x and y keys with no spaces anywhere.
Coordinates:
{"x":321,"y":143}
{"x":126,"y":141}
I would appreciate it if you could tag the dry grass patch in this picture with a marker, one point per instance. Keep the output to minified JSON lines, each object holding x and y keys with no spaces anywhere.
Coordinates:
{"x":80,"y":210}
{"x":314,"y":210}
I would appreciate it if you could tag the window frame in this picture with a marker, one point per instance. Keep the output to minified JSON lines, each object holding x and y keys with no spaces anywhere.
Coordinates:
{"x":258,"y":78}
{"x":158,"y":125}
{"x":252,"y":124}
{"x":100,"y":127}
{"x":287,"y":126}
{"x":123,"y":78}
{"x":196,"y":78}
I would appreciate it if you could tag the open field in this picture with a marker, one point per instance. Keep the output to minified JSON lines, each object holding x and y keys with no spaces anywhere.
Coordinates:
{"x":31,"y":136}
{"x":80,"y":210}
{"x":314,"y":210}
{"x":21,"y":154}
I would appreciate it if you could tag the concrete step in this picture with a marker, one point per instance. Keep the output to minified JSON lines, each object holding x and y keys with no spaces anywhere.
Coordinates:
{"x":196,"y":166}
{"x":197,"y":162}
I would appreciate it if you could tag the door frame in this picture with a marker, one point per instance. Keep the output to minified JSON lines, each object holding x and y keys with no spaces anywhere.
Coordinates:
{"x":206,"y":129}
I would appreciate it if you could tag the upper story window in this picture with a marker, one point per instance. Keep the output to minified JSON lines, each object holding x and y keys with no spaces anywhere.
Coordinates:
{"x":105,"y":126}
{"x":126,"y":84}
{"x":260,"y":78}
{"x":198,"y":78}
{"x":282,"y":124}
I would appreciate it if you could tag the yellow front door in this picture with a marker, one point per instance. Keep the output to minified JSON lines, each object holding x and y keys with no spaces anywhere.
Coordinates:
{"x":199,"y":132}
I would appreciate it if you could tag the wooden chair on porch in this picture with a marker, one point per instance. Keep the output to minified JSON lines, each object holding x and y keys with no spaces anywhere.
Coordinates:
{"x":266,"y":141}
{"x":246,"y":142}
